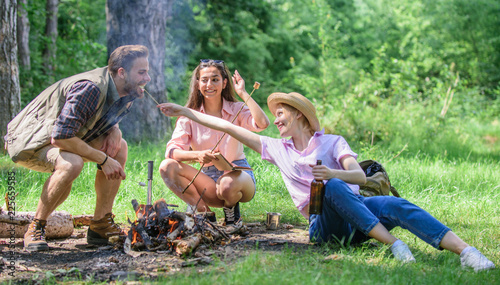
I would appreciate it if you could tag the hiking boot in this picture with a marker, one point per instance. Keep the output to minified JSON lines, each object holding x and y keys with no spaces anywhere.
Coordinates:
{"x":471,"y":257}
{"x":232,"y":215}
{"x":235,"y":228}
{"x":34,"y":238}
{"x":99,"y":231}
{"x":402,"y":252}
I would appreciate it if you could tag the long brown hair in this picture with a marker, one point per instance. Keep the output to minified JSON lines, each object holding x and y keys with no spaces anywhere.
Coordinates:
{"x":196,"y":99}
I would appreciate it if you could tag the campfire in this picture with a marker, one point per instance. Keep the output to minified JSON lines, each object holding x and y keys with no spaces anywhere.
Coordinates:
{"x":158,"y":228}
{"x":161,"y":229}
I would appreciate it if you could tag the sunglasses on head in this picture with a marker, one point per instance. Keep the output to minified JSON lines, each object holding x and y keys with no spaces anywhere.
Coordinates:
{"x":218,"y":61}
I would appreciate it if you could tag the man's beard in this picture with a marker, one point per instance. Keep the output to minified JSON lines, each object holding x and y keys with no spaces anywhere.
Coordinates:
{"x":131,"y":89}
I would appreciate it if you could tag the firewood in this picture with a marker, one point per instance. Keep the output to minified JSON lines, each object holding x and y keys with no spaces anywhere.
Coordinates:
{"x":59,"y":225}
{"x":161,"y":209}
{"x":210,"y":234}
{"x":135,"y":205}
{"x":178,"y":216}
{"x":218,"y":229}
{"x":4,"y":218}
{"x":175,"y":233}
{"x":158,"y":228}
{"x":186,"y":218}
{"x":144,"y":235}
{"x":187,"y":245}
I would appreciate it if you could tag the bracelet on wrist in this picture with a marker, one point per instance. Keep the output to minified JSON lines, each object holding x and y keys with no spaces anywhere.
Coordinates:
{"x":99,"y":166}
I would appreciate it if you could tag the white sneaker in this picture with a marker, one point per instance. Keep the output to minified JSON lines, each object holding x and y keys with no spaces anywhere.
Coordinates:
{"x":471,"y":257}
{"x":402,"y":252}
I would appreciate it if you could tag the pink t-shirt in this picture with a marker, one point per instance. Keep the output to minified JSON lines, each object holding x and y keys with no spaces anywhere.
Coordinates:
{"x":294,"y":165}
{"x":189,"y":135}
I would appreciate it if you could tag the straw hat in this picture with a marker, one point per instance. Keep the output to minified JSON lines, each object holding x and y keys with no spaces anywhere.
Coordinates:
{"x":297,"y":101}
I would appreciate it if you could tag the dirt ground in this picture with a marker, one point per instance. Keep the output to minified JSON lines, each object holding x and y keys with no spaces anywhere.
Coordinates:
{"x":72,"y":259}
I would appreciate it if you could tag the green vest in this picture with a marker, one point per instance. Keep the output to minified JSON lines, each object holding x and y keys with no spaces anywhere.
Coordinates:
{"x":32,"y":128}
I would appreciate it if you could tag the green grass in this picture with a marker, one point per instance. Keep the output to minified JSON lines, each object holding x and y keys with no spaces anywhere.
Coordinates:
{"x":463,"y":192}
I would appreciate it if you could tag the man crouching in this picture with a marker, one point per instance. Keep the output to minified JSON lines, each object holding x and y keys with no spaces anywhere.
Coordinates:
{"x":75,"y":121}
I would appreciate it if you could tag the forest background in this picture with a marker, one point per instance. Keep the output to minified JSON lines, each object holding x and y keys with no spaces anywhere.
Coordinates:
{"x":413,"y":79}
{"x":414,"y":84}
{"x":383,"y":73}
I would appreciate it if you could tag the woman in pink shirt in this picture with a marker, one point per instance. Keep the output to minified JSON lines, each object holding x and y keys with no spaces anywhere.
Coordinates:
{"x":346,"y":215}
{"x":211,"y":93}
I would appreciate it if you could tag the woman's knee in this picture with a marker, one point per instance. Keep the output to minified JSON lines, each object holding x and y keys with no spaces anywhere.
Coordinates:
{"x":231,"y":186}
{"x":389,"y":205}
{"x":226,"y":186}
{"x":335,"y":186}
{"x":169,"y":167}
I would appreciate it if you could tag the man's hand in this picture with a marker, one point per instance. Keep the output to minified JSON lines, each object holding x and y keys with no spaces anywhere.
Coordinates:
{"x":112,"y":142}
{"x":113,"y":170}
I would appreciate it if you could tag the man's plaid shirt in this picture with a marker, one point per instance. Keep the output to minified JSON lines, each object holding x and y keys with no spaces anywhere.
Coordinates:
{"x":81,"y":104}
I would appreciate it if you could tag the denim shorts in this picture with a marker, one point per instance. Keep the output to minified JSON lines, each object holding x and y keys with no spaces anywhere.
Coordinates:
{"x":215,"y":173}
{"x":348,"y":218}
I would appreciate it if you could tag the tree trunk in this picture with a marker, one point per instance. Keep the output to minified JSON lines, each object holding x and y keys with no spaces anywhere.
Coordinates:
{"x":23,"y":43}
{"x":142,"y":22}
{"x":23,"y":33}
{"x":50,"y":49}
{"x":10,"y":92}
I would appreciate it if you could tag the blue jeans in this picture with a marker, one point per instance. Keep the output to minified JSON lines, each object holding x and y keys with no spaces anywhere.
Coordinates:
{"x":349,"y":217}
{"x":215,"y":173}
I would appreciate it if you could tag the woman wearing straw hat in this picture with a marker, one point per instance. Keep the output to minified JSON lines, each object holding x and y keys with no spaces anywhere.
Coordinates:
{"x":211,"y":93}
{"x":346,"y":215}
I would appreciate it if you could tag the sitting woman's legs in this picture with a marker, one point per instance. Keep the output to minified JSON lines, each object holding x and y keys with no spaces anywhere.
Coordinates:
{"x":177,"y":176}
{"x":393,"y":212}
{"x":344,"y":217}
{"x":235,"y":186}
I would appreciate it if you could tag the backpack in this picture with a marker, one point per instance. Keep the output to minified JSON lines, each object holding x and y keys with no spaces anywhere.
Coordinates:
{"x":377,"y":180}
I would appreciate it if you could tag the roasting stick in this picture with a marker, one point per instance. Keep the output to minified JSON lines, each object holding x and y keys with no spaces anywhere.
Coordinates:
{"x":256,"y":86}
{"x":152,"y":97}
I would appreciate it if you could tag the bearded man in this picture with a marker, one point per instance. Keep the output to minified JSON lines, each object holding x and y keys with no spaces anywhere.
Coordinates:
{"x":75,"y":121}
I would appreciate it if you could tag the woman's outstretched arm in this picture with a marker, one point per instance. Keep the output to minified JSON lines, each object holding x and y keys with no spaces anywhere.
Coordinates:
{"x":245,"y":136}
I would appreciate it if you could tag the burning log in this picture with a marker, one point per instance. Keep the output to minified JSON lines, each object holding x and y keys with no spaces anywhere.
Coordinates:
{"x":157,"y":227}
{"x":161,"y":209}
{"x":144,"y":235}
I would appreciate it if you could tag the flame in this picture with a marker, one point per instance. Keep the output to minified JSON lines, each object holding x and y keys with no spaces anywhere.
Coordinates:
{"x":173,"y":224}
{"x":134,"y":239}
{"x":163,"y":229}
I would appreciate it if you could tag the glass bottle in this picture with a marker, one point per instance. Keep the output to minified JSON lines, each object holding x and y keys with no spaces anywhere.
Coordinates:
{"x":316,"y":197}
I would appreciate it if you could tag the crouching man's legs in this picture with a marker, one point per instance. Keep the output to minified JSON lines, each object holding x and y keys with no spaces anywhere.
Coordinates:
{"x":103,"y":226}
{"x":55,"y":191}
